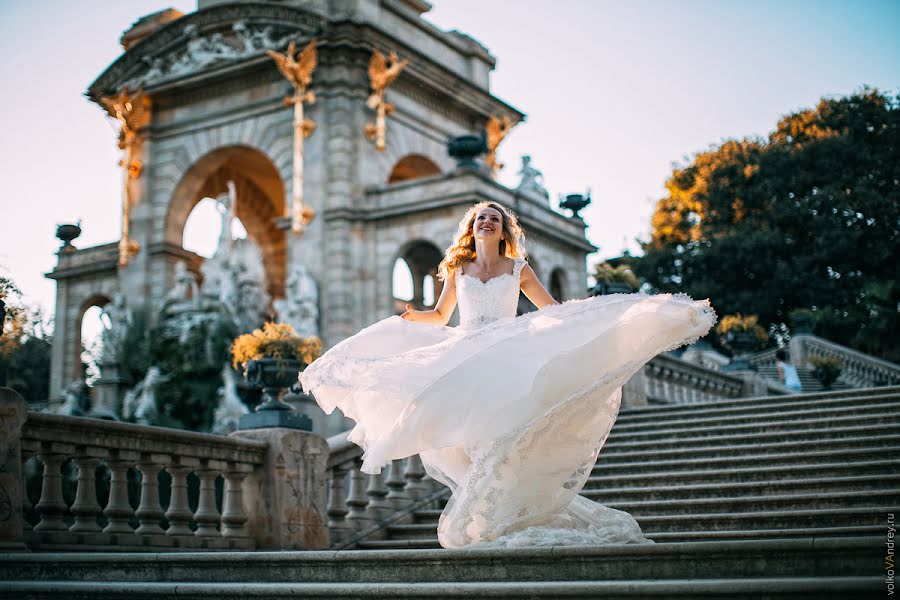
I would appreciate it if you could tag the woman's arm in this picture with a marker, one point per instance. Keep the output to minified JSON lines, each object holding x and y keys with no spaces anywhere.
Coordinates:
{"x":442,"y":311}
{"x":533,"y":290}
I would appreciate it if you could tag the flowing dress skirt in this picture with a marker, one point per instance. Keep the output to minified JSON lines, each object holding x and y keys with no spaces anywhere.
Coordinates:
{"x":510,"y":415}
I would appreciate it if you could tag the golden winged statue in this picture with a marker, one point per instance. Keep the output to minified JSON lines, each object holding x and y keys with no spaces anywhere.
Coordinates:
{"x":298,"y":70}
{"x":131,"y":110}
{"x":382,"y":73}
{"x":495,"y":131}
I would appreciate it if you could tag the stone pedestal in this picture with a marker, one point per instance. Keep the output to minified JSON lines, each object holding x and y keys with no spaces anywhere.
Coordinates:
{"x":286,"y":498}
{"x":13,"y":412}
{"x":109,"y":391}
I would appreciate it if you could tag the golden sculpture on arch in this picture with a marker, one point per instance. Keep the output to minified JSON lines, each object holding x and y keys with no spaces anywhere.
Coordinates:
{"x":132,"y":111}
{"x":298,"y":71}
{"x":496,"y":130}
{"x":382,"y":73}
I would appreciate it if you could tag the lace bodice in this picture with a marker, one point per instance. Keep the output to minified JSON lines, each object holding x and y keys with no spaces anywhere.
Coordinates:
{"x":482,"y":302}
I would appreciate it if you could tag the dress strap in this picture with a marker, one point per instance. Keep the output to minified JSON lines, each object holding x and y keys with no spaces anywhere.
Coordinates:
{"x":517,"y":268}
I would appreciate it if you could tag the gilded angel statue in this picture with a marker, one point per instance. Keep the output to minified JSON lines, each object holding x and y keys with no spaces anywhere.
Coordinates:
{"x":496,"y":130}
{"x":382,"y":72}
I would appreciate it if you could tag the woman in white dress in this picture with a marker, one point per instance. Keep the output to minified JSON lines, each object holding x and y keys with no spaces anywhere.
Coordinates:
{"x":510,"y":412}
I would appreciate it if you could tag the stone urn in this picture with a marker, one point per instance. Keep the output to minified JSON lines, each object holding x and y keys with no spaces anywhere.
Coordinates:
{"x":465,"y":148}
{"x":273,"y":375}
{"x":741,"y":343}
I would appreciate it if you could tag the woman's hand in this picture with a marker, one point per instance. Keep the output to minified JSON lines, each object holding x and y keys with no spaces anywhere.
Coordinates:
{"x":410,"y":314}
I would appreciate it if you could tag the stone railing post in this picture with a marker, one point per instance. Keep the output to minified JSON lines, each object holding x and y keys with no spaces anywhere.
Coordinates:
{"x":288,"y":493}
{"x":13,"y":412}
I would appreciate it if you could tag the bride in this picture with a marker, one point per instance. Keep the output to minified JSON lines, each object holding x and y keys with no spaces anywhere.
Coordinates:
{"x":510,"y":412}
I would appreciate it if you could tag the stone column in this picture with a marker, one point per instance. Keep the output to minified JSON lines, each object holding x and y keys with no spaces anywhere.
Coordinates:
{"x":13,"y":412}
{"x":109,"y":390}
{"x":797,"y":348}
{"x":288,"y":493}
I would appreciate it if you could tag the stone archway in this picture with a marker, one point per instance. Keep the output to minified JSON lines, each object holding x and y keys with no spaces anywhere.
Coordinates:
{"x":422,"y":257}
{"x":99,"y":300}
{"x":413,"y":166}
{"x":557,"y":286}
{"x":261,"y":199}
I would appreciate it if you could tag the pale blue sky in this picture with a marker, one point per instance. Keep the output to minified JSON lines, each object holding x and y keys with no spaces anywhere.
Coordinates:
{"x":615,"y":92}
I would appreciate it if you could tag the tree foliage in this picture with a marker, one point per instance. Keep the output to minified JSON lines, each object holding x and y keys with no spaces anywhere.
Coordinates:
{"x":808,"y":218}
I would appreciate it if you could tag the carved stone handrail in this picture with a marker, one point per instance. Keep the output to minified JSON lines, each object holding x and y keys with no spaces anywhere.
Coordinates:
{"x":858,"y":368}
{"x":361,"y":506}
{"x":676,"y":381}
{"x":55,"y":440}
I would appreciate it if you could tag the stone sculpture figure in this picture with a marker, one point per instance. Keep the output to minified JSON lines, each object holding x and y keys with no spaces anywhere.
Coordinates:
{"x":185,"y":287}
{"x":140,"y":401}
{"x":230,"y":407}
{"x":118,"y":318}
{"x":532,"y":180}
{"x":300,"y":308}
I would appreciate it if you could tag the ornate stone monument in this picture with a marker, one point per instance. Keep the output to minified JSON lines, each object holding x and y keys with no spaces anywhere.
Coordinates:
{"x":214,"y":114}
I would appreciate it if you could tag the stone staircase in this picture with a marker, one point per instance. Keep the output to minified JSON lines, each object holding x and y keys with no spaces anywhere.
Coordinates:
{"x":776,"y":497}
{"x":807,"y":378}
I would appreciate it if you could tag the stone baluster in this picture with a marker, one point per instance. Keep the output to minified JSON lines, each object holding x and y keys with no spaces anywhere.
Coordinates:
{"x":118,"y":509}
{"x":179,"y":513}
{"x":378,"y":507}
{"x":27,"y":505}
{"x":52,"y":507}
{"x":207,"y":516}
{"x":86,"y":508}
{"x":397,"y":496}
{"x":233,"y":515}
{"x":413,"y":474}
{"x":338,"y":526}
{"x":357,"y":516}
{"x":149,"y":511}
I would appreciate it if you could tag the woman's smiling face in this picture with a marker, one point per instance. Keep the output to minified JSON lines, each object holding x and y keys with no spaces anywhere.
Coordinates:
{"x":488,"y":224}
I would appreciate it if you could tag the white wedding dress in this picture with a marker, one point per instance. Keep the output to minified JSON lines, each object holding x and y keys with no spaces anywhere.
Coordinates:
{"x":510,"y":412}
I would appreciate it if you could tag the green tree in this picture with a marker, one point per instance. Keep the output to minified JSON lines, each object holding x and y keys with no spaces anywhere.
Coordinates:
{"x":808,"y":218}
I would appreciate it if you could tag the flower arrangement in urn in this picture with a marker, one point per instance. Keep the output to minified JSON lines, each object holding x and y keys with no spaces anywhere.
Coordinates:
{"x":272,"y":357}
{"x":741,"y":334}
{"x":615,"y":280}
{"x":826,"y":369}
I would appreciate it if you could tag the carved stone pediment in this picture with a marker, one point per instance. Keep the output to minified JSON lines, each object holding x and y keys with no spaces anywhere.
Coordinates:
{"x":206,"y":40}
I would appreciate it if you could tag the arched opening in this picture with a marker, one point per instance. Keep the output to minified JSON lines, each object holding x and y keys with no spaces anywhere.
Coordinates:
{"x":558,"y":284}
{"x":414,"y":277}
{"x":413,"y":166}
{"x":90,"y":325}
{"x":260,"y":199}
{"x":202,"y":229}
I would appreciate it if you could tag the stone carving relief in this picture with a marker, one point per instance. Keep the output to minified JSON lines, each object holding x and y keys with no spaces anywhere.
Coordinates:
{"x":204,"y":49}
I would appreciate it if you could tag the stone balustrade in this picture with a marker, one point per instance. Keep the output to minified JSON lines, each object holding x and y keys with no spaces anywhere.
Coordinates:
{"x":106,"y":485}
{"x":671,"y":380}
{"x":857,"y":368}
{"x":360,"y":505}
{"x":131,"y":463}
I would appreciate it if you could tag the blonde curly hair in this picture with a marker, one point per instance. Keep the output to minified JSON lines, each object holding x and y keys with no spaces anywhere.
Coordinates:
{"x":462,"y":249}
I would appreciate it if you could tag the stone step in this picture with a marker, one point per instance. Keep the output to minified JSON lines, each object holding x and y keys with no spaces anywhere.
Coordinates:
{"x":827,"y":519}
{"x":820,"y":556}
{"x":425,"y":542}
{"x":819,"y":445}
{"x":793,"y":588}
{"x":813,"y":425}
{"x":673,"y":473}
{"x":751,"y":405}
{"x":809,"y":459}
{"x":763,"y":436}
{"x":878,"y":405}
{"x":605,"y":494}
